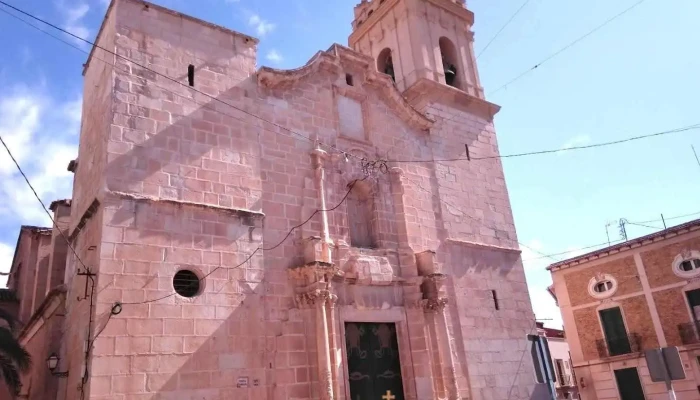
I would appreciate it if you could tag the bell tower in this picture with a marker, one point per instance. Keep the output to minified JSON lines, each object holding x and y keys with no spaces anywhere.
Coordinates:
{"x":412,"y":40}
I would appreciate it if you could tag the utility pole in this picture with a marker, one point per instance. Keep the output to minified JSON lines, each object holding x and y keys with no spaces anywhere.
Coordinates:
{"x":623,"y":231}
{"x":608,"y":233}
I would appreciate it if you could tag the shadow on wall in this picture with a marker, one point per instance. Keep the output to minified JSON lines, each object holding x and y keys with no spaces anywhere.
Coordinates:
{"x":220,"y":344}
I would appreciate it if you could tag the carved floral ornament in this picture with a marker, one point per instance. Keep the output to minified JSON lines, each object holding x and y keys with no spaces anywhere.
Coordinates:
{"x":434,"y":305}
{"x":314,"y":297}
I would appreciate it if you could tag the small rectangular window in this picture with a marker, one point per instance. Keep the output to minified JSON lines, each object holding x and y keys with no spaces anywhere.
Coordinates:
{"x":348,"y":80}
{"x":190,"y":74}
{"x":495,"y":300}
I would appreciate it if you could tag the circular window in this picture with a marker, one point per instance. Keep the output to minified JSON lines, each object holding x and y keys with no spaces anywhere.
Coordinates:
{"x":687,"y":265}
{"x":186,"y":283}
{"x":602,"y":286}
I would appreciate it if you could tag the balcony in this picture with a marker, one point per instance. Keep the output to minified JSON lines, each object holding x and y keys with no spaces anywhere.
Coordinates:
{"x":619,"y":346}
{"x":566,"y":380}
{"x":687,"y":332}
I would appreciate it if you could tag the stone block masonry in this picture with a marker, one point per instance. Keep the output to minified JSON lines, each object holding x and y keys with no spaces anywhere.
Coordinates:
{"x":179,"y":177}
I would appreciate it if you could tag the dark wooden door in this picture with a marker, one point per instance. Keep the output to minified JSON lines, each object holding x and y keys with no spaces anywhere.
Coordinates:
{"x":615,"y":332}
{"x":374,"y":369}
{"x":628,"y":384}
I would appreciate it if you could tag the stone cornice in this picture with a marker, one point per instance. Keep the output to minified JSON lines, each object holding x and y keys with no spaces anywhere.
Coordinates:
{"x":455,"y":9}
{"x":48,"y":307}
{"x":426,"y":91}
{"x":483,"y":246}
{"x":371,"y":21}
{"x":384,"y":9}
{"x":332,"y":60}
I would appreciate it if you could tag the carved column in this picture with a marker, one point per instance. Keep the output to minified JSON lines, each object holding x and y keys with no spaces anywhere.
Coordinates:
{"x":312,"y":284}
{"x":323,"y":347}
{"x":436,"y":303}
{"x":334,"y":344}
{"x":319,"y":156}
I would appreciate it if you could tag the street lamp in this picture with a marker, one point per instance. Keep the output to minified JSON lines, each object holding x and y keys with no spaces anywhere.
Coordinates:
{"x":52,"y":363}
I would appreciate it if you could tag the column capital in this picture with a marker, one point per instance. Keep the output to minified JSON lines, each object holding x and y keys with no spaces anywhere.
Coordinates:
{"x":436,"y":305}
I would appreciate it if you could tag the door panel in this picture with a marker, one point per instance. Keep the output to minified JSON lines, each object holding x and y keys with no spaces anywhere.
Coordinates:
{"x":374,"y":369}
{"x":628,"y":384}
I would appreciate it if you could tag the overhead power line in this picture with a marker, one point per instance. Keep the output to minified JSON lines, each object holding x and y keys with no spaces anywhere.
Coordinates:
{"x":538,"y":152}
{"x":512,"y":17}
{"x":568,"y":46}
{"x":641,"y":223}
{"x":162,"y":75}
{"x":43,"y":206}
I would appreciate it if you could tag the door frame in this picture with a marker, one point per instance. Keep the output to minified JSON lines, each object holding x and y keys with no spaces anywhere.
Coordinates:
{"x":396,"y":316}
{"x":614,"y":377}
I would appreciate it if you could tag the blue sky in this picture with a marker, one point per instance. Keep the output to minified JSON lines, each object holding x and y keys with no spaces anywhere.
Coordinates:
{"x":638,"y":75}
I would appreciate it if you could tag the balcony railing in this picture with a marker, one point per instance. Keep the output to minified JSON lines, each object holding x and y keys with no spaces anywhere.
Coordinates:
{"x":687,"y":332}
{"x":566,"y":380}
{"x":632,"y":343}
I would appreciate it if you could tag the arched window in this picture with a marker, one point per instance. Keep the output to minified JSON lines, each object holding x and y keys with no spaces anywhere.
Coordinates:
{"x":385,"y":64}
{"x":360,"y":204}
{"x":449,"y":56}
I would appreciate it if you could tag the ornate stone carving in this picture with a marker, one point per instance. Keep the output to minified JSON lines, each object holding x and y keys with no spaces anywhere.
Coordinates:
{"x":314,"y":297}
{"x":434,"y":305}
{"x":332,"y":60}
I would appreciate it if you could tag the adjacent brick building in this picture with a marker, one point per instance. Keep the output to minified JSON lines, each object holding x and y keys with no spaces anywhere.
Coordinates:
{"x":196,"y":172}
{"x":618,"y":301}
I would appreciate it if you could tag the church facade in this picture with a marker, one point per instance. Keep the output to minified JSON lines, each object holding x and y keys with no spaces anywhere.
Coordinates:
{"x":245,"y":233}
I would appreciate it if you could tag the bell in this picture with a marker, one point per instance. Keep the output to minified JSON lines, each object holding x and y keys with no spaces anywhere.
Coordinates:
{"x":450,"y":75}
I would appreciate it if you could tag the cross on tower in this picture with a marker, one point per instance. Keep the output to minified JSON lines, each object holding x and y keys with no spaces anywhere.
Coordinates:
{"x":388,"y":396}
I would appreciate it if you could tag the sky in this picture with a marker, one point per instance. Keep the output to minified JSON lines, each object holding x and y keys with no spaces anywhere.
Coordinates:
{"x":635,"y":76}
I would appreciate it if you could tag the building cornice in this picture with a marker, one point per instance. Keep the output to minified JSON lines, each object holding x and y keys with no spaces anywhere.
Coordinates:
{"x":333,"y":60}
{"x":447,"y":5}
{"x":688,"y":227}
{"x":148,"y":5}
{"x":483,"y":246}
{"x":426,"y":91}
{"x":54,"y":299}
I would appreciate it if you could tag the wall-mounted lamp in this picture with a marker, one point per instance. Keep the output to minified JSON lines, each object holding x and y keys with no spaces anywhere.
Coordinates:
{"x":52,"y":363}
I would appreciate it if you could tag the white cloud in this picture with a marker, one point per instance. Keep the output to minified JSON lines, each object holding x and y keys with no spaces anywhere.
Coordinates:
{"x":73,"y":15}
{"x":6,"y":254}
{"x":545,"y":307}
{"x":262,"y":27}
{"x":40,"y":133}
{"x":579,"y":140}
{"x":274,"y":56}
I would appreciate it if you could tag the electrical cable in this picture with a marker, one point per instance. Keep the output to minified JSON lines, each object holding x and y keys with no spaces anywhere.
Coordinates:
{"x":502,"y":28}
{"x":641,"y":223}
{"x":367,"y":166}
{"x":259,"y":248}
{"x":568,"y":46}
{"x":165,"y":76}
{"x":667,"y":219}
{"x":43,"y":206}
{"x":531,"y":153}
{"x":574,"y":250}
